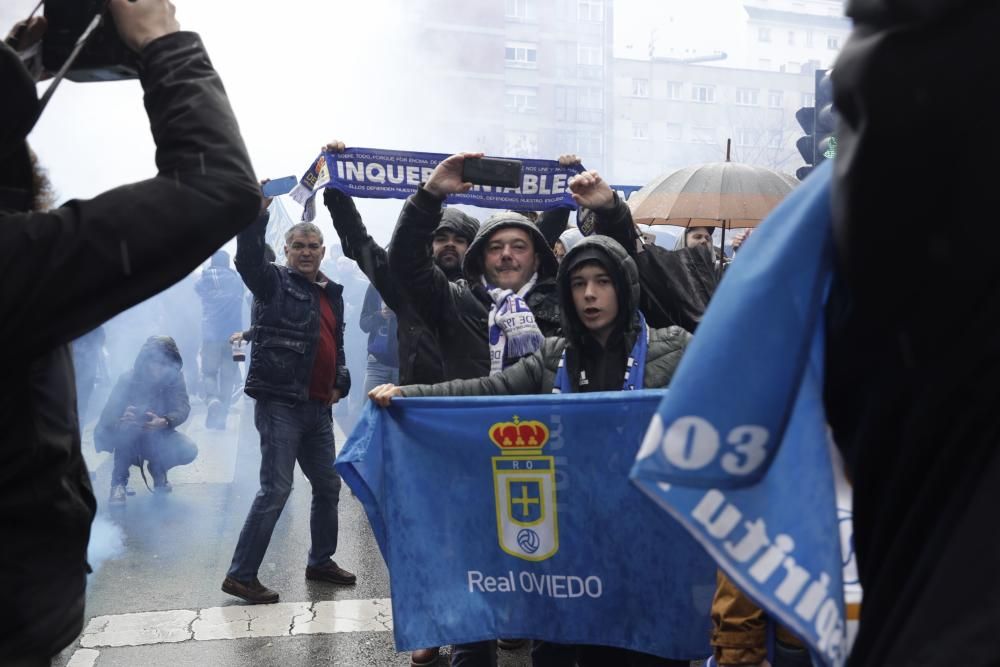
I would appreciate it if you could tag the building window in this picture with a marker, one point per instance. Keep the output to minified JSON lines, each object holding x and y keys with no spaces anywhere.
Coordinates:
{"x":808,"y":99}
{"x":746,"y":96}
{"x":703,"y":135}
{"x":774,"y":139}
{"x":521,"y":144}
{"x":675,"y":132}
{"x":517,"y":9}
{"x":521,"y":100}
{"x":673,"y":90}
{"x":521,"y":54}
{"x":833,"y":42}
{"x":763,"y":34}
{"x":640,"y":87}
{"x":809,"y":38}
{"x":746,"y":137}
{"x":590,"y":98}
{"x":702,"y":93}
{"x":791,"y":38}
{"x":775,"y":99}
{"x":764,"y":64}
{"x":589,"y":144}
{"x":561,"y":103}
{"x":640,"y":130}
{"x":590,"y":10}
{"x":588,"y":55}
{"x":794,"y":67}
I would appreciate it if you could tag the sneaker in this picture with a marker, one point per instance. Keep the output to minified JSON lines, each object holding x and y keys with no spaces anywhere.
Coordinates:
{"x":117,"y":495}
{"x":331,"y":573}
{"x":253,"y":592}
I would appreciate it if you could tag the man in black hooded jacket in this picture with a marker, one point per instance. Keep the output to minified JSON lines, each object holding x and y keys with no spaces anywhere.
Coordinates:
{"x":420,"y":359}
{"x":69,"y":269}
{"x":466,"y":314}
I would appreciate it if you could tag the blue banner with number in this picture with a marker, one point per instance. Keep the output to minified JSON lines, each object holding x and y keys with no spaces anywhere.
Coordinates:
{"x":514,"y":517}
{"x":738,"y":451}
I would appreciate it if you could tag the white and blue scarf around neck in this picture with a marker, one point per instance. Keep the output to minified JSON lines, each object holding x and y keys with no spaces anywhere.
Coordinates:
{"x":513,"y":331}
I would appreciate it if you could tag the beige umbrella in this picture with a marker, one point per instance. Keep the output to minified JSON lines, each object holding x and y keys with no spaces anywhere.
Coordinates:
{"x":726,"y":194}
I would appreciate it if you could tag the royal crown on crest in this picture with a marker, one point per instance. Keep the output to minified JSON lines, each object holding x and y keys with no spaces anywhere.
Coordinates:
{"x":517,"y":436}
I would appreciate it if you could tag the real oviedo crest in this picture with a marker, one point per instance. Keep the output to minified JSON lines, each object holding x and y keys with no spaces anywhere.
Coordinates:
{"x":524,"y":484}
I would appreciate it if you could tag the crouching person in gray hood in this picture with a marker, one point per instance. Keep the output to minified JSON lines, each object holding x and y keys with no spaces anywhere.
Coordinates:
{"x":140,"y":419}
{"x":605,"y":346}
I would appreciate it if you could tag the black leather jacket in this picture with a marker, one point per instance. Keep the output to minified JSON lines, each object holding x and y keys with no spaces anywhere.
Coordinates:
{"x":286,"y":323}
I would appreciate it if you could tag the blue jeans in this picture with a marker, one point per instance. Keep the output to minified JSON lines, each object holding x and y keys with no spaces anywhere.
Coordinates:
{"x":164,"y":450}
{"x":300,"y":432}
{"x":377,"y":373}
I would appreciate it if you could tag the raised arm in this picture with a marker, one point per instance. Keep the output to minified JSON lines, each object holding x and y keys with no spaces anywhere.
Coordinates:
{"x":251,"y":262}
{"x":92,"y":259}
{"x":425,"y":286}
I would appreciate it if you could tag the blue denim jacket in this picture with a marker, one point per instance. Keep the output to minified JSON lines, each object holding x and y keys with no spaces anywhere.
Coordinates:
{"x":286,"y":323}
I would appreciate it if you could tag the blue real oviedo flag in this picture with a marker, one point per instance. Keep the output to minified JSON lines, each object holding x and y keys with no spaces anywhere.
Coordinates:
{"x":514,"y":517}
{"x":739,"y":451}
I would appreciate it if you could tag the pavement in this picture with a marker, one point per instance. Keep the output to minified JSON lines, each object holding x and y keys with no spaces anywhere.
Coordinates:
{"x":155,"y":599}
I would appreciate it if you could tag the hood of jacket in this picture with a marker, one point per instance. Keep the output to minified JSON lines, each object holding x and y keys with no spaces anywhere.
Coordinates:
{"x":159,"y":348}
{"x":624,"y":273}
{"x":548,"y":265}
{"x":462,"y":224}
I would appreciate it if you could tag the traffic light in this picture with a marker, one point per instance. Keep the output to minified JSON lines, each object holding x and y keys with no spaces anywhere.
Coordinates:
{"x":825,"y":122}
{"x":806,"y":144}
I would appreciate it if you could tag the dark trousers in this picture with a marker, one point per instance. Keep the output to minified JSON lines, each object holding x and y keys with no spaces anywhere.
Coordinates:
{"x":549,"y":654}
{"x":164,"y":449}
{"x":477,"y":654}
{"x":300,"y":432}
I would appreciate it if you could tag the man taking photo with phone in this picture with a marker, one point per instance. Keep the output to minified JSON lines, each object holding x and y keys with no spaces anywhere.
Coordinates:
{"x":71,"y":268}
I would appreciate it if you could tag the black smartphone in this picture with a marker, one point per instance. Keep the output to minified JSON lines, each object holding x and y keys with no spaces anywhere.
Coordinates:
{"x":500,"y":172}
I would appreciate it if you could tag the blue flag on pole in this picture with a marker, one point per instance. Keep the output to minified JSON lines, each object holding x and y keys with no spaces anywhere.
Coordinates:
{"x":514,"y":517}
{"x":738,"y":451}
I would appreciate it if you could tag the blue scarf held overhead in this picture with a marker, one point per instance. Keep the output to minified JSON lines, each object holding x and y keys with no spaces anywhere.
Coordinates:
{"x":738,"y":451}
{"x":635,"y":367}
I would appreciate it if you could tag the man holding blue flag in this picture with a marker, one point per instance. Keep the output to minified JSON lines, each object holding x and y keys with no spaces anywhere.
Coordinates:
{"x":607,"y":346}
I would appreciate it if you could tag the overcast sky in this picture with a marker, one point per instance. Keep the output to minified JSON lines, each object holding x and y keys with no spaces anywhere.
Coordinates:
{"x":299,"y":73}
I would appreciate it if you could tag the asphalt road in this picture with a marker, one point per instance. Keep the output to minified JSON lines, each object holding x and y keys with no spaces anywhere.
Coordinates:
{"x":156,"y":601}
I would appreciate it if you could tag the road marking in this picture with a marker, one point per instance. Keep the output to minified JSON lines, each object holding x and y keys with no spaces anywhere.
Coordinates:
{"x":84,"y":657}
{"x":284,"y":619}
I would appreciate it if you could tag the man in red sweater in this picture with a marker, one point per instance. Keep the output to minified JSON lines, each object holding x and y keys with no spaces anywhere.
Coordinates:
{"x":297,"y":372}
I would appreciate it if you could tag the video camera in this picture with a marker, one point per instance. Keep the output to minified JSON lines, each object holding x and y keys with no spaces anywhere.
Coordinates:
{"x":105,"y":56}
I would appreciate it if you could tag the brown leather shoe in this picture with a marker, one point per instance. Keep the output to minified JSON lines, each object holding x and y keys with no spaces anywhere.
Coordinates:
{"x":330,"y":572}
{"x":253,"y":592}
{"x":424,"y":657}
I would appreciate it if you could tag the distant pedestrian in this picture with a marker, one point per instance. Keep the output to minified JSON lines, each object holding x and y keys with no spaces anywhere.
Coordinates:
{"x":221,"y":292}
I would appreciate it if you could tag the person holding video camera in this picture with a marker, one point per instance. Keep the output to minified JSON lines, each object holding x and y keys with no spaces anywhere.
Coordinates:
{"x":71,"y":268}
